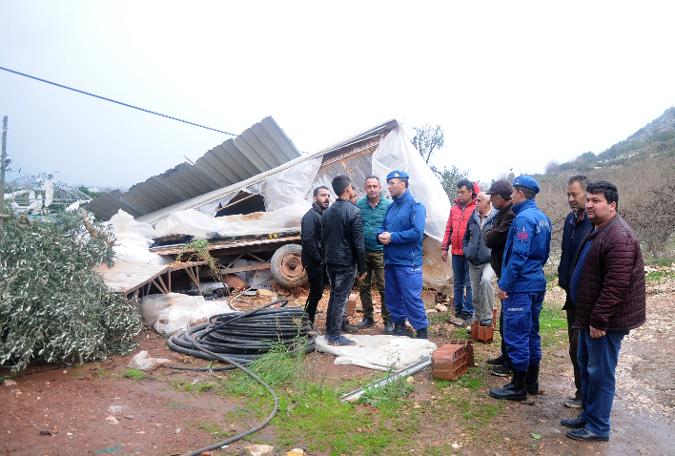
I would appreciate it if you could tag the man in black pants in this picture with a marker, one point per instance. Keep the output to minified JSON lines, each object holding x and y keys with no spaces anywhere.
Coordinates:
{"x":343,"y":250}
{"x":310,"y":233}
{"x":495,"y":239}
{"x":577,"y":227}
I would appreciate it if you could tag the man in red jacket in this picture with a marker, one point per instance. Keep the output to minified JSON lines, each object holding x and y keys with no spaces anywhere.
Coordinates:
{"x":460,"y":213}
{"x":608,"y":289}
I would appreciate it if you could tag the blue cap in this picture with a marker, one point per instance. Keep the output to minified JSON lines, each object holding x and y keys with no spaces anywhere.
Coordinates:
{"x":396,"y":174}
{"x":527,"y":182}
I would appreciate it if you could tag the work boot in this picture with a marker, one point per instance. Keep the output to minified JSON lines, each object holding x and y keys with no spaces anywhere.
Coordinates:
{"x":574,"y":423}
{"x":498,"y":361}
{"x":514,"y":391}
{"x":388,"y":327}
{"x":367,"y":322}
{"x":399,"y":329}
{"x":532,"y":379}
{"x":422,"y":333}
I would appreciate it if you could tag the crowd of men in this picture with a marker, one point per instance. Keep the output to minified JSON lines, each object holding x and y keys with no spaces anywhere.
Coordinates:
{"x":500,"y":234}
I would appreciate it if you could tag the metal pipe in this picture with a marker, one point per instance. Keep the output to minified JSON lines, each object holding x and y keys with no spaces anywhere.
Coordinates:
{"x":405,"y":372}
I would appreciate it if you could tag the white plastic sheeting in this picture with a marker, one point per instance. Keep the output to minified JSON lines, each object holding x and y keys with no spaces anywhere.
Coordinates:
{"x":202,"y":226}
{"x":168,"y":313}
{"x":396,"y":151}
{"x":290,"y":186}
{"x":379,"y":352}
{"x":132,"y":239}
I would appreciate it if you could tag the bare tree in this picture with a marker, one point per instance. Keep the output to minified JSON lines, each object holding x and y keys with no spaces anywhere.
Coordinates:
{"x":427,"y":139}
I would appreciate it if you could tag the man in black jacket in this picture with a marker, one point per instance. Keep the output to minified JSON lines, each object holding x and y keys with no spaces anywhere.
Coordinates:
{"x":495,"y":239}
{"x":577,"y":227}
{"x":343,"y":248}
{"x":310,"y":233}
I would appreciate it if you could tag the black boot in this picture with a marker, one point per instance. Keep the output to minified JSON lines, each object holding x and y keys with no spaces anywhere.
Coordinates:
{"x":514,"y":391}
{"x":532,"y":379}
{"x":399,"y":329}
{"x":422,"y":333}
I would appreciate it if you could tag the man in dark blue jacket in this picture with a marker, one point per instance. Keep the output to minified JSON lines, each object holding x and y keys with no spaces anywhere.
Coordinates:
{"x":577,"y":227}
{"x":402,"y":235}
{"x":521,"y":289}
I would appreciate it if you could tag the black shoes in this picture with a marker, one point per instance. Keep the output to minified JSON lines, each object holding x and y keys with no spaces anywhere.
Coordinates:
{"x":574,"y":423}
{"x":585,"y":435}
{"x":422,"y":333}
{"x":514,"y":391}
{"x":340,"y":340}
{"x":388,"y":327}
{"x":399,"y":329}
{"x":501,"y":371}
{"x":498,"y":361}
{"x":349,"y":328}
{"x":367,"y":322}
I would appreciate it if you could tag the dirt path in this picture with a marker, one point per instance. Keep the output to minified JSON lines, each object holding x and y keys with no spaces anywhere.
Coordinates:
{"x":93,"y":409}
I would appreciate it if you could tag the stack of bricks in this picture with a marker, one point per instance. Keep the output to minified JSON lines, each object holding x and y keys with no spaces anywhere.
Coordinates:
{"x":451,"y":361}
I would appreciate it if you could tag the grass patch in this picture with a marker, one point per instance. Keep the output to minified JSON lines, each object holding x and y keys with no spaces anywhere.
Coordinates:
{"x":314,"y":415}
{"x":134,"y":374}
{"x":193,"y":388}
{"x":387,"y":397}
{"x":277,"y":368}
{"x":660,"y":276}
{"x":552,"y":325}
{"x":214,"y":429}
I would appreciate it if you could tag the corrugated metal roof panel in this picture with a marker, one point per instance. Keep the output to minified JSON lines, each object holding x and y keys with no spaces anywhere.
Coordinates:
{"x":261,"y":147}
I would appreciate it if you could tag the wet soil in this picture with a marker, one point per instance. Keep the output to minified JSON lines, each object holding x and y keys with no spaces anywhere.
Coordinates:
{"x":93,"y":409}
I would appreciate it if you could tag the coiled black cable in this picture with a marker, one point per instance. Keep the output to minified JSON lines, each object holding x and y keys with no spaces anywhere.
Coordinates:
{"x":239,"y":338}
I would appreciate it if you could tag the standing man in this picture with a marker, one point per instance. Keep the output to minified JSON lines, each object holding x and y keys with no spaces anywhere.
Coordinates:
{"x":402,"y":234}
{"x":607,"y":288}
{"x":373,"y":207}
{"x":342,"y":237}
{"x":460,"y":213}
{"x":577,"y":227}
{"x":478,"y":256}
{"x":310,"y":235}
{"x":521,"y":289}
{"x":495,"y":239}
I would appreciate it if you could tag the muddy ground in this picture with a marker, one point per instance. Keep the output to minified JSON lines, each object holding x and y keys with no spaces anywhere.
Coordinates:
{"x":93,"y":409}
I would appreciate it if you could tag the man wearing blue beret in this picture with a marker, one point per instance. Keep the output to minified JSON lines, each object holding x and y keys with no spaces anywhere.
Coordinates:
{"x":521,"y":289}
{"x":402,"y":235}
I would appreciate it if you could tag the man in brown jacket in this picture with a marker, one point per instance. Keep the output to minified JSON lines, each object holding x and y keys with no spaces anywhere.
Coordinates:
{"x":608,"y":289}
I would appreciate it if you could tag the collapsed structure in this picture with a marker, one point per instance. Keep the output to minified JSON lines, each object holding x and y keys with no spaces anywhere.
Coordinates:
{"x":247,"y":197}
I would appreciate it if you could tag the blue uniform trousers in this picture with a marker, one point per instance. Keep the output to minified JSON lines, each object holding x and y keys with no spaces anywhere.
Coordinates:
{"x":403,"y":295}
{"x":597,"y":360}
{"x":521,"y":328}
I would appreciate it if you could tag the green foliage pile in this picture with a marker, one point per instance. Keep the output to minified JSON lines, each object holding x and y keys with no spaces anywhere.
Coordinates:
{"x":53,"y":307}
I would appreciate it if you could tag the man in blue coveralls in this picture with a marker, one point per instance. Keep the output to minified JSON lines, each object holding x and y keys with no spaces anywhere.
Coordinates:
{"x":521,"y":289}
{"x":402,"y":234}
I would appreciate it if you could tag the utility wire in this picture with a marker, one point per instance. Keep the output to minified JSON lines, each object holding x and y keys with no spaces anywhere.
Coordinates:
{"x":29,"y":76}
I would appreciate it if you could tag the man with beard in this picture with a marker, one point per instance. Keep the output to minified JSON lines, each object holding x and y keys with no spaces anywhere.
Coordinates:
{"x":310,"y":234}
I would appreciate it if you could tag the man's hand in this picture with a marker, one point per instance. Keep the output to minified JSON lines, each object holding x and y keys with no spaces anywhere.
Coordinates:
{"x":501,"y":294}
{"x":444,"y":255}
{"x":384,"y":238}
{"x":596,"y":333}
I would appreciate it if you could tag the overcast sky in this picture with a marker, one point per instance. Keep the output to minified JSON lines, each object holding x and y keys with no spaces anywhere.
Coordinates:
{"x":513,"y":84}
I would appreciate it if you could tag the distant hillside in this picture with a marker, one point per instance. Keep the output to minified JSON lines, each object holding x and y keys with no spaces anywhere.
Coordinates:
{"x":655,"y":140}
{"x":642,"y":167}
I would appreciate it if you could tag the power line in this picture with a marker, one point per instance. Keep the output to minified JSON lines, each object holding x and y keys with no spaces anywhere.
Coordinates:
{"x":25,"y":75}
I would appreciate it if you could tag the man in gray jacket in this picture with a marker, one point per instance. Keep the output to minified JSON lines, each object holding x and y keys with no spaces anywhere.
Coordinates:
{"x":478,"y":254}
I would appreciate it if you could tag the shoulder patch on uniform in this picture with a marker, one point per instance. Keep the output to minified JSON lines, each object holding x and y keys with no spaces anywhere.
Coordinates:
{"x":522,"y":235}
